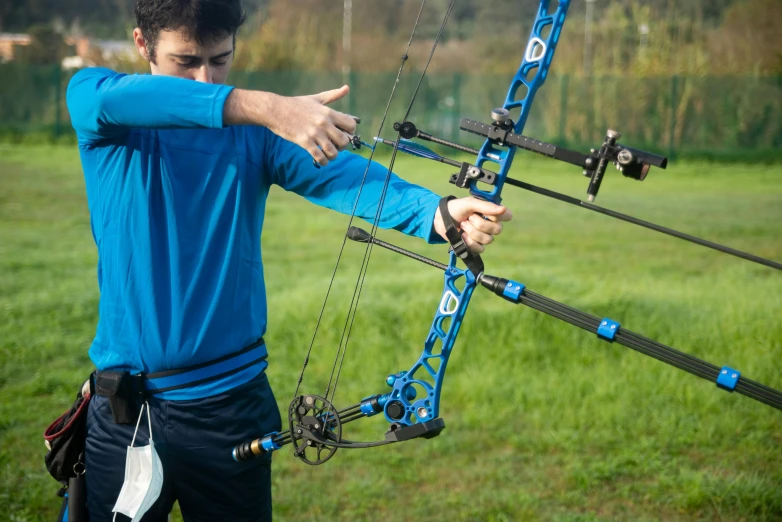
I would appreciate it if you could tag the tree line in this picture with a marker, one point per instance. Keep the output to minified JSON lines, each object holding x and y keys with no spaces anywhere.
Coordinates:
{"x":628,"y":37}
{"x":113,"y":16}
{"x":621,"y":37}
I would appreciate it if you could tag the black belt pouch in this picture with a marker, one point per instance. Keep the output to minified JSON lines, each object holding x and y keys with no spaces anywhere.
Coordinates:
{"x":66,"y":437}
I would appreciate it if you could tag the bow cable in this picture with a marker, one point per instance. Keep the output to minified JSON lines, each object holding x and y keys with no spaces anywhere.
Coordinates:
{"x":368,"y":250}
{"x":355,"y":207}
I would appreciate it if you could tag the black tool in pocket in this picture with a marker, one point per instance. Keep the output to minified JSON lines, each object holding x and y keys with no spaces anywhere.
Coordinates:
{"x":123,"y":394}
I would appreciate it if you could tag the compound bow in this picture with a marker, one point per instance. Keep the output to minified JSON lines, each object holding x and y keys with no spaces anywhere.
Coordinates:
{"x":412,"y":406}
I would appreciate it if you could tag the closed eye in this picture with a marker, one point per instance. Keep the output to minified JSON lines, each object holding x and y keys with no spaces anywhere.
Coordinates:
{"x":188,"y":62}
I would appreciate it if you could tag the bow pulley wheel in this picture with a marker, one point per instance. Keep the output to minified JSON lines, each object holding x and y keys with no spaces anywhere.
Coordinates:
{"x":314,"y":424}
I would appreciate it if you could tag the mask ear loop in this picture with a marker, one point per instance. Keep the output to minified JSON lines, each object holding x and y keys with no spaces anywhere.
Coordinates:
{"x":138,"y":421}
{"x":149,"y":421}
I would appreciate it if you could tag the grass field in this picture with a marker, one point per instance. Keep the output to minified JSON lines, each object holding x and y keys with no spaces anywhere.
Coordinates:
{"x":544,"y":421}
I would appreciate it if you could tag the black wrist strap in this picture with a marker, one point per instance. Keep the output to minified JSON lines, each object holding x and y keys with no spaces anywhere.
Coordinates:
{"x":454,"y":234}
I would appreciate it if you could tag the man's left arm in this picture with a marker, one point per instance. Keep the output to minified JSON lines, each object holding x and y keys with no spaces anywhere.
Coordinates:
{"x":407,"y":207}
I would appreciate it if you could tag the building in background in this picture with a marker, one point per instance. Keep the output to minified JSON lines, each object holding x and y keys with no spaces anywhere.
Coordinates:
{"x":113,"y":50}
{"x":89,"y":52}
{"x":8,"y":41}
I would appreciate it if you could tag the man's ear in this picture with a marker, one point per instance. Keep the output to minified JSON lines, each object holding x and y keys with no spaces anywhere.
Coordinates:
{"x":141,"y":43}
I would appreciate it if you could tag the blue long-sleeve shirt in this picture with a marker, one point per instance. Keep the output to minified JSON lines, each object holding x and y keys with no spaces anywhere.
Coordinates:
{"x":177,"y":203}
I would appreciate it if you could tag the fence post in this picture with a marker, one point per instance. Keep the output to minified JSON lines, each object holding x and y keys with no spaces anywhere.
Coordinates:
{"x":351,"y":77}
{"x":456,"y":108}
{"x":563,"y":86}
{"x":593,"y":83}
{"x":672,"y":123}
{"x":57,"y":100}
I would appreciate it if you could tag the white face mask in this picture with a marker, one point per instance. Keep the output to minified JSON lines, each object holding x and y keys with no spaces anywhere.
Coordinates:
{"x":143,"y":476}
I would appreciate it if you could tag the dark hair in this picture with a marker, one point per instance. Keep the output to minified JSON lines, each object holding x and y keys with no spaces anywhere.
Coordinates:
{"x":208,"y":21}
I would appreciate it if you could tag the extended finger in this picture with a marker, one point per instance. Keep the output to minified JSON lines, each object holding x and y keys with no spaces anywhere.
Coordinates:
{"x":475,"y":234}
{"x":485,"y":225}
{"x":333,"y":95}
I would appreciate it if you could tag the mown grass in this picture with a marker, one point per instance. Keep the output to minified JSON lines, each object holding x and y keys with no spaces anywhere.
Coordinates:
{"x":544,"y":422}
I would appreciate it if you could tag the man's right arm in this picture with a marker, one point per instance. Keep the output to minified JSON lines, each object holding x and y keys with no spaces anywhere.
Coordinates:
{"x":104,"y":104}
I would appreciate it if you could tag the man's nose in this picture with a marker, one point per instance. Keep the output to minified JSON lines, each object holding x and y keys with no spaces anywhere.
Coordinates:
{"x":203,"y":74}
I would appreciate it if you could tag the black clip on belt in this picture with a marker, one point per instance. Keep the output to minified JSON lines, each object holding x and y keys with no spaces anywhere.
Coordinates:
{"x":123,"y":390}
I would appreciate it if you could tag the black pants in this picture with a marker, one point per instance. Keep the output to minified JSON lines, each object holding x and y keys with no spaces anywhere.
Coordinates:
{"x":194,"y":440}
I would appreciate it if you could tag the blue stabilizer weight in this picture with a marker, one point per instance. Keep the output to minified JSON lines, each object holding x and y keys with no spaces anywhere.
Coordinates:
{"x":728,"y":378}
{"x":513,"y":290}
{"x":607,"y":329}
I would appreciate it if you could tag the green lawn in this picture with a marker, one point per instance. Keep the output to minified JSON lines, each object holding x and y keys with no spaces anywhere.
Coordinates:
{"x":544,"y":421}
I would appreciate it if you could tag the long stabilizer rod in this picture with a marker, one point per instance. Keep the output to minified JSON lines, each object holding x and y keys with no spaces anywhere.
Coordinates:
{"x":606,"y":329}
{"x":641,"y":223}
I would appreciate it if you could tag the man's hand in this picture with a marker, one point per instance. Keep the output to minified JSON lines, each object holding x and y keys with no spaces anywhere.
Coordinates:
{"x":303,"y":120}
{"x":479,"y":220}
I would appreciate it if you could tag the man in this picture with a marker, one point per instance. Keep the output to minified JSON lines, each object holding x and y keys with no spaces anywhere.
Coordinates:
{"x":177,"y":174}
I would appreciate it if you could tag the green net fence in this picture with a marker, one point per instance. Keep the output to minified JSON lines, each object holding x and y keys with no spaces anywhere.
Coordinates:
{"x":717,"y":116}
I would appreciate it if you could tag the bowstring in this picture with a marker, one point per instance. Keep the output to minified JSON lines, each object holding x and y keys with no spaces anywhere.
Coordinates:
{"x":353,"y":215}
{"x":375,"y":224}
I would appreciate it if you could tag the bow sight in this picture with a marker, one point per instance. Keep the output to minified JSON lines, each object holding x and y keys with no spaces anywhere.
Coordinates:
{"x":632,"y":163}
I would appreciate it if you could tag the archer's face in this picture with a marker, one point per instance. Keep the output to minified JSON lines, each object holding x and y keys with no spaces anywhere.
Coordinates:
{"x":180,"y":56}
